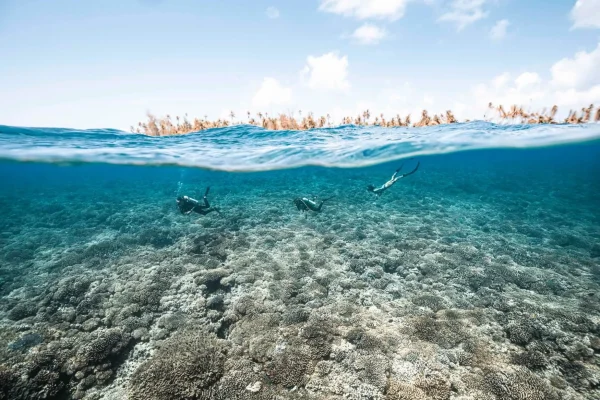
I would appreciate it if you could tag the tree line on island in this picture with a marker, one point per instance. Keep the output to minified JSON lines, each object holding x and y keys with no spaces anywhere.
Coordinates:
{"x":166,"y":126}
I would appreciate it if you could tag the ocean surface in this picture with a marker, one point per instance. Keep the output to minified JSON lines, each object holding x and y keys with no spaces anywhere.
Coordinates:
{"x":476,"y":277}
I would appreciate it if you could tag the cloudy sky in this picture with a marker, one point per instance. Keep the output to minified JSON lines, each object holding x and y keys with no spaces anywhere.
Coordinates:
{"x":92,"y":64}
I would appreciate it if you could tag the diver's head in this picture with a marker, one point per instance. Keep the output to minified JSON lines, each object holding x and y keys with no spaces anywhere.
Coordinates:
{"x":371,"y":188}
{"x":182,"y":199}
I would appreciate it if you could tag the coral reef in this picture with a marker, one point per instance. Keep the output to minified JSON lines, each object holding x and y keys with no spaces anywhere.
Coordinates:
{"x":186,"y":366}
{"x":474,"y":280}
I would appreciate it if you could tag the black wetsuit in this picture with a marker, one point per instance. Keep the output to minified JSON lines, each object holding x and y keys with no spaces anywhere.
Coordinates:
{"x":303,"y":204}
{"x":187,"y":205}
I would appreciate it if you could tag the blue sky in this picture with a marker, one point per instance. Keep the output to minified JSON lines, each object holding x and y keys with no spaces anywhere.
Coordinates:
{"x":87,"y":64}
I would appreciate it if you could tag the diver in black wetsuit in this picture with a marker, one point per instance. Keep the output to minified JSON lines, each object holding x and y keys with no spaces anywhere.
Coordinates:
{"x":187,"y":205}
{"x":304,"y":204}
{"x":379,"y":190}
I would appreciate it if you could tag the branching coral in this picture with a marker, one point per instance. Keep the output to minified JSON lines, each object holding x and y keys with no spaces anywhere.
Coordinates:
{"x":184,"y":367}
{"x":106,"y":343}
{"x":517,"y":385}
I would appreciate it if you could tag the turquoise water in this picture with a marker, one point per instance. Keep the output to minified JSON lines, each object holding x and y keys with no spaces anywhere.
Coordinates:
{"x":477,"y":277}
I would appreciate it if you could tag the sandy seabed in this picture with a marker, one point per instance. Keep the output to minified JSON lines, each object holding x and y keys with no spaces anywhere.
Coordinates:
{"x":476,"y":278}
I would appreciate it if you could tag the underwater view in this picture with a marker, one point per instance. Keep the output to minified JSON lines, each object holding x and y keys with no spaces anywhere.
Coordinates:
{"x":241,"y":263}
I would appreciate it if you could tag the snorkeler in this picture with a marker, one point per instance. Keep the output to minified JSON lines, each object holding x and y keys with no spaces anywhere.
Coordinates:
{"x":303,"y":204}
{"x":187,"y":205}
{"x":379,"y":190}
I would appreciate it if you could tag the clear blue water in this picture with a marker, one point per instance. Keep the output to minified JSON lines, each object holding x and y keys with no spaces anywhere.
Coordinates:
{"x":496,"y":248}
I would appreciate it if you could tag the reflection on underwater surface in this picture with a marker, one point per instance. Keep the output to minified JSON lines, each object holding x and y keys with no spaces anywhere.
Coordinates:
{"x":244,"y":148}
{"x":476,"y":277}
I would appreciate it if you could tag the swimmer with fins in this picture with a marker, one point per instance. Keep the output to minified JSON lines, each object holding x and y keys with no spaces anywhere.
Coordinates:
{"x":188,"y":205}
{"x":304,"y":204}
{"x":379,"y":190}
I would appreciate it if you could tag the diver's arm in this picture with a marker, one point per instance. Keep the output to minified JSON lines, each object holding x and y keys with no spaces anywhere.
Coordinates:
{"x":181,"y":210}
{"x":378,"y":191}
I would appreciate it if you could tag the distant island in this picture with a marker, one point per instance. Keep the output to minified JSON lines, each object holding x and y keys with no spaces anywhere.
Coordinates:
{"x":165,"y":126}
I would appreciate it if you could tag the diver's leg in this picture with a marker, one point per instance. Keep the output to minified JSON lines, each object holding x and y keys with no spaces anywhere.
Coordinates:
{"x":324,"y":200}
{"x":396,"y":172}
{"x":411,"y":172}
{"x":205,"y":197}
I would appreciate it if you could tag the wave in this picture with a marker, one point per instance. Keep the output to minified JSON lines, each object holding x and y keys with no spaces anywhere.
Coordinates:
{"x":250,"y":148}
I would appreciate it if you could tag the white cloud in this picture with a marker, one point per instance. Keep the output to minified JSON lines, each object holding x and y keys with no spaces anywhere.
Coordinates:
{"x":525,"y":90}
{"x":369,"y":34}
{"x":498,"y":31}
{"x":586,"y":14}
{"x":328,"y":71}
{"x":573,"y":98}
{"x":364,"y":9}
{"x":464,"y":12}
{"x":501,"y":80}
{"x":575,"y":82}
{"x":527,"y":79}
{"x":272,"y":13}
{"x":583,"y":70}
{"x":569,"y":83}
{"x":271,"y":93}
